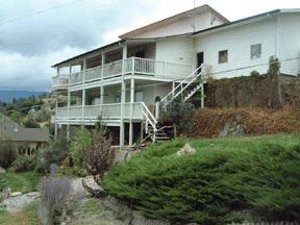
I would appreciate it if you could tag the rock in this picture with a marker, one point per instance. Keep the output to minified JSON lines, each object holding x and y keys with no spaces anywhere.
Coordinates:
{"x":3,"y":207}
{"x":15,"y":204}
{"x":34,"y":195}
{"x":187,"y":149}
{"x":15,"y":194}
{"x":232,"y":129}
{"x":5,"y":194}
{"x":92,"y":187}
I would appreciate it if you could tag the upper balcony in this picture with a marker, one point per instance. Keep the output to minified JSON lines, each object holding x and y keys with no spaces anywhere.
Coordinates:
{"x":138,"y":66}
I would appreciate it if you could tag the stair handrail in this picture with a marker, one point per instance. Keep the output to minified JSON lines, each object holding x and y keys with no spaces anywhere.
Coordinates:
{"x":194,"y":75}
{"x":149,"y":116}
{"x":152,"y":134}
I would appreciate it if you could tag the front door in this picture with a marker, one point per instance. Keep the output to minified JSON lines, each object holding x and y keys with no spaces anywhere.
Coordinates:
{"x":200,"y":58}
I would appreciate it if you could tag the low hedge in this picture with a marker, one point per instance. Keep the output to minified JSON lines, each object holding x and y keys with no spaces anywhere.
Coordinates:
{"x":226,"y":180}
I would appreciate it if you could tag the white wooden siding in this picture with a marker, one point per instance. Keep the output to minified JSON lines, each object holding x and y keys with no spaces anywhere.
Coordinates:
{"x":278,"y":37}
{"x":289,"y":43}
{"x":238,"y":41}
{"x":185,"y":25}
{"x":177,"y":50}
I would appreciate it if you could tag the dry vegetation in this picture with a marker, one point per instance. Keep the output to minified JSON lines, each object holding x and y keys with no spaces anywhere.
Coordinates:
{"x":209,"y":122}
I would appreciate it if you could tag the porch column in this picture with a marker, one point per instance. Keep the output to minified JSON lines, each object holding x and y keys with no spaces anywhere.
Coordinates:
{"x":83,"y":91}
{"x":131,"y":111}
{"x":102,"y":63}
{"x":69,"y":104}
{"x":101,"y":84}
{"x":123,"y":98}
{"x":55,"y":123}
{"x":68,"y":112}
{"x":173,"y":88}
{"x":202,"y":95}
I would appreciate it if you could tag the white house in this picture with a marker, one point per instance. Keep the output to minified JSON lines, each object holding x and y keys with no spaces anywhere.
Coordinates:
{"x":122,"y":81}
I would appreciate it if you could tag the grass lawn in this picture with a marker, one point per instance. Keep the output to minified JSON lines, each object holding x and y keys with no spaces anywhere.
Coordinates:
{"x":26,"y":217}
{"x":23,"y":182}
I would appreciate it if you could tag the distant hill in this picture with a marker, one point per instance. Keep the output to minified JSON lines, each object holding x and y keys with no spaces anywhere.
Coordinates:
{"x":9,"y":95}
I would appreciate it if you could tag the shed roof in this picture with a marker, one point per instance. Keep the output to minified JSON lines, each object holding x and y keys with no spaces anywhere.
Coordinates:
{"x":13,"y":131}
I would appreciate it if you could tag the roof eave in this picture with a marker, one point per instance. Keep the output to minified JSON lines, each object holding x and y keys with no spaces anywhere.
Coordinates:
{"x":77,"y":57}
{"x":240,"y":22}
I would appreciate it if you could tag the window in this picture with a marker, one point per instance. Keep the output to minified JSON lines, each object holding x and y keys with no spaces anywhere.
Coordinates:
{"x":138,"y":96}
{"x":255,"y":51}
{"x":223,"y":56}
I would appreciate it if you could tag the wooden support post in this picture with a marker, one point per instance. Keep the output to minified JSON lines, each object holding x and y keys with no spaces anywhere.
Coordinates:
{"x":202,"y":95}
{"x":142,"y":131}
{"x":102,"y":63}
{"x":83,"y":93}
{"x":68,"y":131}
{"x":55,"y":122}
{"x":55,"y":130}
{"x":131,"y":111}
{"x":101,"y":85}
{"x":173,"y":88}
{"x":123,"y":98}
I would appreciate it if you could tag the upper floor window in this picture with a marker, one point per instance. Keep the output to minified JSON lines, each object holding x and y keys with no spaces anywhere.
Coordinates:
{"x":255,"y":51}
{"x":223,"y":56}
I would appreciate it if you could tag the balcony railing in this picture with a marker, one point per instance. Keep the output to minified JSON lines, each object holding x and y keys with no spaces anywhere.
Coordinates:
{"x":106,"y":111}
{"x":60,"y":82}
{"x":149,"y":67}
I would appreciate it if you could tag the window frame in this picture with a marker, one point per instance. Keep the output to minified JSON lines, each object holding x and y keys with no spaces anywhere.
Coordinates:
{"x":220,"y":61}
{"x":255,"y":56}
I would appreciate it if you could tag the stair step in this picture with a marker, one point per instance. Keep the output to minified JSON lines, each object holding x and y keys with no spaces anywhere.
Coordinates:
{"x":162,"y":138}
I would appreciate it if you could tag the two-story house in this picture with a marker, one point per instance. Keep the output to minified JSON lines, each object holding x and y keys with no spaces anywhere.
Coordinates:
{"x":123,"y":81}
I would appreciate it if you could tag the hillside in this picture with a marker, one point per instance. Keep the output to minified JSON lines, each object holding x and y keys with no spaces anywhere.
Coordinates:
{"x":226,"y":180}
{"x":9,"y":95}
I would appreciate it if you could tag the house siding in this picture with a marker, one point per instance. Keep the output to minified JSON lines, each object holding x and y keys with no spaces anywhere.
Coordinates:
{"x":238,"y":41}
{"x":203,"y":20}
{"x":289,"y":43}
{"x":176,"y":50}
{"x":278,"y":35}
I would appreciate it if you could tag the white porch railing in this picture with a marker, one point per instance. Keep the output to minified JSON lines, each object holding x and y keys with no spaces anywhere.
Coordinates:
{"x":60,"y":82}
{"x":139,"y":66}
{"x":107,"y":112}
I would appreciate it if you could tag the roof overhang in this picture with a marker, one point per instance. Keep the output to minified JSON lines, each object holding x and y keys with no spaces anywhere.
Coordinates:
{"x":247,"y":20}
{"x":104,"y":48}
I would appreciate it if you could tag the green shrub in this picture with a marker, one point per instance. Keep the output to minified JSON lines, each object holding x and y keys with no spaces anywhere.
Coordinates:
{"x":178,"y":113}
{"x":79,"y":144}
{"x":55,"y":153}
{"x":218,"y":184}
{"x":24,"y":163}
{"x":8,"y":153}
{"x":99,"y":156}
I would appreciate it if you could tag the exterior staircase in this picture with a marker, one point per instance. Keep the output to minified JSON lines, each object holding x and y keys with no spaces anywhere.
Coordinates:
{"x":182,"y":89}
{"x":186,"y":88}
{"x":192,"y":92}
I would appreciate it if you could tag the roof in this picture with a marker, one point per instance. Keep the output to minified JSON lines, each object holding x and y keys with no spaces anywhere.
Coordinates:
{"x":90,"y":52}
{"x":171,"y":19}
{"x":248,"y":19}
{"x":15,"y":132}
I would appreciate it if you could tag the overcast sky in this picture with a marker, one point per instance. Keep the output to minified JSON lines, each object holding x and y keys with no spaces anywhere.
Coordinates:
{"x":34,"y":34}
